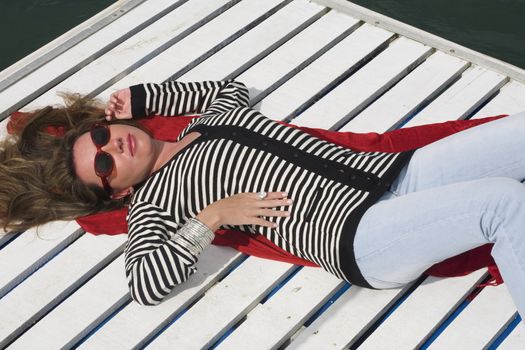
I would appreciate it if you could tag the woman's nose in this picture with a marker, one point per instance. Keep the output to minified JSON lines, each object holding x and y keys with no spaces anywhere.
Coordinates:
{"x":115,"y":145}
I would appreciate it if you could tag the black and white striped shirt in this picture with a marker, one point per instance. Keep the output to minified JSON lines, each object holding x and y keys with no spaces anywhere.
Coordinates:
{"x":240,"y":150}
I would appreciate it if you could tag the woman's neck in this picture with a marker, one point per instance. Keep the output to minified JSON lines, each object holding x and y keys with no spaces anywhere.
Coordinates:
{"x":165,"y":150}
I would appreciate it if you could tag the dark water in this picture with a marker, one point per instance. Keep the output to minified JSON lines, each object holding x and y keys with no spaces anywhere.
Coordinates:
{"x":494,"y":27}
{"x":26,"y":25}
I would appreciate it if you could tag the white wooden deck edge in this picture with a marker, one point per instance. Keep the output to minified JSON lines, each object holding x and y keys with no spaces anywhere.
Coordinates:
{"x":49,"y":51}
{"x":426,"y":38}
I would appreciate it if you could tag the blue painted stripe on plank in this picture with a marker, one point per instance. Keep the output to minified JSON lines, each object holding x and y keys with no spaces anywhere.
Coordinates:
{"x":125,"y":303}
{"x":42,"y":264}
{"x":511,"y":326}
{"x":328,"y":303}
{"x":281,"y":284}
{"x":445,"y":324}
{"x":183,"y":311}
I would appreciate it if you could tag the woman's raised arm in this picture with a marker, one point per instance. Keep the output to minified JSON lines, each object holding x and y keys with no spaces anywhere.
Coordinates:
{"x":174,"y":98}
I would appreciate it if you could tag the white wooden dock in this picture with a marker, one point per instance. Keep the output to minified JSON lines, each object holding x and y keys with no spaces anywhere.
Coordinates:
{"x":343,"y":68}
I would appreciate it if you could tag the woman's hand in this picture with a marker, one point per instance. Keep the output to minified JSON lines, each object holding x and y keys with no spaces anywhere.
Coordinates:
{"x":119,"y":105}
{"x":244,"y":209}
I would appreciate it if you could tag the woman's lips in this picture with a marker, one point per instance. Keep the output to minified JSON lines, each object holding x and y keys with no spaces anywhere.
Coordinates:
{"x":131,"y":145}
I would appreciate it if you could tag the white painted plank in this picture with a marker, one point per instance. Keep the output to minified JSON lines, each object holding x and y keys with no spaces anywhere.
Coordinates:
{"x":47,"y":286}
{"x":422,"y":312}
{"x":134,"y":51}
{"x":284,"y":312}
{"x":71,"y":320}
{"x":38,"y":246}
{"x":223,"y":305}
{"x":346,"y":319}
{"x":319,"y":75}
{"x":365,"y":85}
{"x":461,"y":99}
{"x":510,"y":100}
{"x":203,"y":41}
{"x":134,"y":324}
{"x":256,"y":43}
{"x":424,"y":83}
{"x":480,"y":322}
{"x":62,"y":66}
{"x":288,"y":59}
{"x":515,"y":340}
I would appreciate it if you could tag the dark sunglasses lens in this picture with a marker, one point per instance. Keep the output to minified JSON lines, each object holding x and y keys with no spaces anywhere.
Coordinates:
{"x":100,"y":135}
{"x":103,"y":164}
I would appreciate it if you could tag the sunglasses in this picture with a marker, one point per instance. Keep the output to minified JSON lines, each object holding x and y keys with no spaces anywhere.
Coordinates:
{"x":104,"y":162}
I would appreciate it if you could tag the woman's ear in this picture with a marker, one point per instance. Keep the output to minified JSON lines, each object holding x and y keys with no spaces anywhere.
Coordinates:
{"x":122,"y":193}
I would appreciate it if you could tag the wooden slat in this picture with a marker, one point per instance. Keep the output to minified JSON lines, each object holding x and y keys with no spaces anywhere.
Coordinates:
{"x":46,"y":287}
{"x":38,"y":245}
{"x":510,"y":100}
{"x":133,"y":325}
{"x":364,"y":86}
{"x":284,"y":312}
{"x":515,"y":340}
{"x":239,"y":55}
{"x":202,"y":43}
{"x":423,"y":84}
{"x":324,"y":72}
{"x":475,"y":86}
{"x":224,"y":305}
{"x":422,"y":312}
{"x":480,"y":323}
{"x":87,"y":50}
{"x":65,"y":325}
{"x":135,"y":51}
{"x":297,"y":53}
{"x":347,"y":318}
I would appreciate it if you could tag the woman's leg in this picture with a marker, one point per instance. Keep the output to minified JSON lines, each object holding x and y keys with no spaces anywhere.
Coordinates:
{"x":495,"y":149}
{"x":399,"y":238}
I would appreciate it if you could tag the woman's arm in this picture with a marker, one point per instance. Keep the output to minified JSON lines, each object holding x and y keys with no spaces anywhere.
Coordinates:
{"x":174,"y":98}
{"x":159,"y":255}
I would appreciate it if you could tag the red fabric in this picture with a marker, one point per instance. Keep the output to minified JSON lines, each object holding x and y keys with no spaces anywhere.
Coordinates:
{"x":168,"y":129}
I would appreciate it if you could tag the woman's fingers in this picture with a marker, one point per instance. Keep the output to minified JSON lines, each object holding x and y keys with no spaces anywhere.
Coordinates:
{"x":119,"y":105}
{"x":265,"y":223}
{"x":271,"y":203}
{"x":269,"y":195}
{"x":271,"y":212}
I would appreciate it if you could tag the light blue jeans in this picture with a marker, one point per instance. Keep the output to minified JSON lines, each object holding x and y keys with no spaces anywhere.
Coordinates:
{"x":456,"y":194}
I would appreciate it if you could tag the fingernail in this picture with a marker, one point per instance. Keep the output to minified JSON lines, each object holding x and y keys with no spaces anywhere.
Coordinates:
{"x":284,"y":194}
{"x":274,"y":225}
{"x":289,"y":201}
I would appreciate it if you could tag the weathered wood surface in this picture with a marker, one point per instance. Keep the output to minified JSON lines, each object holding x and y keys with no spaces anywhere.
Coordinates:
{"x":303,"y":62}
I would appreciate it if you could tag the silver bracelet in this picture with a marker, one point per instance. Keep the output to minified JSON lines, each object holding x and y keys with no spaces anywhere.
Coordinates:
{"x":194,"y":236}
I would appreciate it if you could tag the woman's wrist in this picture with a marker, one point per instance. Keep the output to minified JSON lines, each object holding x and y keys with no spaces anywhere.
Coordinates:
{"x":210,"y":219}
{"x":195,"y":236}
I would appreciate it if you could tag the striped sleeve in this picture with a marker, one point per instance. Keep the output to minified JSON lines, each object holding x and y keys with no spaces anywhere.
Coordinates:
{"x":174,"y":98}
{"x":158,"y":256}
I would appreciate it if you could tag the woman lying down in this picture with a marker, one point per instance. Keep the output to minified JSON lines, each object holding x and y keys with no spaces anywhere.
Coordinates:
{"x":375,"y":219}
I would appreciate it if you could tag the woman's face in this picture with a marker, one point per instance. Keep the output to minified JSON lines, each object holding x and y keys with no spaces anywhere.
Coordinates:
{"x":133,"y":151}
